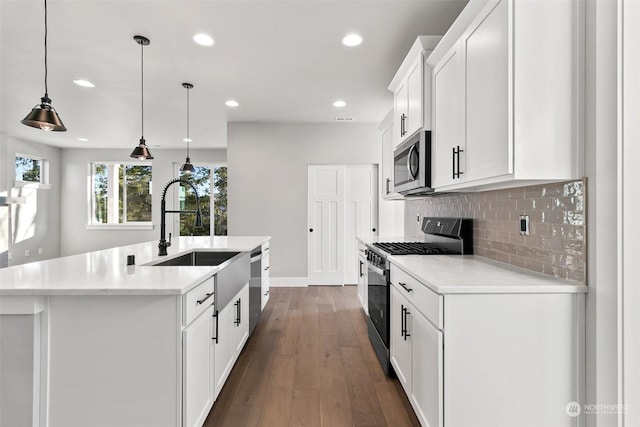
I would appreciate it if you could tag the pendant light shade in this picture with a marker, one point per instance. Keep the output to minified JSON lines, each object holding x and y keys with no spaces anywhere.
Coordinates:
{"x":187,"y":167}
{"x":43,"y":115}
{"x":141,"y":152}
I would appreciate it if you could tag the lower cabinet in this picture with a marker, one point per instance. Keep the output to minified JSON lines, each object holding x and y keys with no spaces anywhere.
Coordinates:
{"x":362,"y":278}
{"x":230,"y":335}
{"x":416,"y":355}
{"x":197,"y":369}
{"x":265,"y":275}
{"x":487,"y":359}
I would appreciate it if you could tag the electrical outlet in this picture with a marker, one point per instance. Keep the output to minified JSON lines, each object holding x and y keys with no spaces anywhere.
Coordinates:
{"x":524,"y":225}
{"x":9,"y":255}
{"x":27,"y":252}
{"x":40,"y":251}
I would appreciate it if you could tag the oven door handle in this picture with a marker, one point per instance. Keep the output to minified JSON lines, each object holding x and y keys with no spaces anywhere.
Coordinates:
{"x":377,"y":270}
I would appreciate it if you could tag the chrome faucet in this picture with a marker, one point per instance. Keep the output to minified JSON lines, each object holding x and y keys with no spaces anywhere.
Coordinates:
{"x":163,"y":245}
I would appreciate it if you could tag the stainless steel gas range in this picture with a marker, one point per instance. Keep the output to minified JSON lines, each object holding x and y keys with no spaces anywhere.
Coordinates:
{"x":442,"y":236}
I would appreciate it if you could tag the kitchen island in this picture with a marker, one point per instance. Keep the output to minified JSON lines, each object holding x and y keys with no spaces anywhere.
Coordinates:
{"x":89,"y":340}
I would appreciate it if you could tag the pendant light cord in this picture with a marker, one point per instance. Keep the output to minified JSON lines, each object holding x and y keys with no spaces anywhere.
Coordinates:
{"x":46,"y":88}
{"x":188,"y":139}
{"x":142,"y":84}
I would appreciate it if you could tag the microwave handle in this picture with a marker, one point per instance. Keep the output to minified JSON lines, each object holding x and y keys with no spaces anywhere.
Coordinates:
{"x":411,"y":151}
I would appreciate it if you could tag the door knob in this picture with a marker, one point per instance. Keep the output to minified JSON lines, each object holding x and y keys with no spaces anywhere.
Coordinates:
{"x":311,"y":230}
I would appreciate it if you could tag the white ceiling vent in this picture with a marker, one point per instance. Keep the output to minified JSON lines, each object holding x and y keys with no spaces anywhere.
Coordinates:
{"x":344,"y":119}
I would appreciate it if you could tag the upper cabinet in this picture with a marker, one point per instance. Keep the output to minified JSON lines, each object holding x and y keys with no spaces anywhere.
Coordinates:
{"x":386,"y":129}
{"x":507,"y":98}
{"x":411,"y":87}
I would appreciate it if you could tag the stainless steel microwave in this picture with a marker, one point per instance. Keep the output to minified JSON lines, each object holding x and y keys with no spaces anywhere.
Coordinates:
{"x":412,"y":165}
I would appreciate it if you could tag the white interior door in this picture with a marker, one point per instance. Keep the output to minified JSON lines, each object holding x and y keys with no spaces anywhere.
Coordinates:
{"x":342,"y":204}
{"x":361,"y":213}
{"x":326,"y":224}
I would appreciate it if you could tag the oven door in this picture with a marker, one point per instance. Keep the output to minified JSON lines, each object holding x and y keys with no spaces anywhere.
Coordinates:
{"x":378,"y":288}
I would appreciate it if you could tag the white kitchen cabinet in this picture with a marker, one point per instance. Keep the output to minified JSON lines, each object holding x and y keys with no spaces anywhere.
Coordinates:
{"x":411,"y":87}
{"x":241,"y":330}
{"x":400,"y":350}
{"x":485,"y":359}
{"x":416,"y":352}
{"x":197,"y":369}
{"x":448,"y":116}
{"x":427,"y":363}
{"x":231,"y":333}
{"x":508,"y":98}
{"x":265,"y":285}
{"x":362,"y":278}
{"x":386,"y":128}
{"x":224,"y":346}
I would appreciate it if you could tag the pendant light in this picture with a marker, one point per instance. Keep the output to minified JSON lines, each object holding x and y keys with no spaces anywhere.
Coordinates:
{"x":141,"y":152}
{"x":43,"y":115}
{"x":187,"y":167}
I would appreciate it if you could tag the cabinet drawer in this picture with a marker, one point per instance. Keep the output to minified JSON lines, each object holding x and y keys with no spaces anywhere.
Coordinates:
{"x":423,"y":298}
{"x":197,"y":300}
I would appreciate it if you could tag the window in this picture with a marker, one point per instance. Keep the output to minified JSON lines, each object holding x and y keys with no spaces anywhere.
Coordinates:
{"x":31,"y":171}
{"x":202,"y":178}
{"x":121,"y":193}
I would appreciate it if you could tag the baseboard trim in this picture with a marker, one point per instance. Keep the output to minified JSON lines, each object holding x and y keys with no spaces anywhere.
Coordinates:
{"x":288,"y":282}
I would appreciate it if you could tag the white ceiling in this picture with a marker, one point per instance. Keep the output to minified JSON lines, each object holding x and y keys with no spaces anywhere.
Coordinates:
{"x":283,"y":61}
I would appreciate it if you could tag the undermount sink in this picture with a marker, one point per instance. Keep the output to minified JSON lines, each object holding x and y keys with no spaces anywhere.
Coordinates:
{"x":195,"y":258}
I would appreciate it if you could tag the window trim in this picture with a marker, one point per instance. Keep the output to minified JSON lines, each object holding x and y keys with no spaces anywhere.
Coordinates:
{"x":127,"y":225}
{"x":43,"y":184}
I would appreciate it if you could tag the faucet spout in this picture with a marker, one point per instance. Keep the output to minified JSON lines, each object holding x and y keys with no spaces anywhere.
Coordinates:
{"x":163,"y":244}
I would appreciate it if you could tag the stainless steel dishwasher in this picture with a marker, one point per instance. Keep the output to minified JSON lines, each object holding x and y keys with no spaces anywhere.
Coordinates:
{"x":255,"y":289}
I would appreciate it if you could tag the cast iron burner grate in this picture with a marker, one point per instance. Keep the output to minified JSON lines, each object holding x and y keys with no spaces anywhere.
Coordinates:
{"x":413,"y":248}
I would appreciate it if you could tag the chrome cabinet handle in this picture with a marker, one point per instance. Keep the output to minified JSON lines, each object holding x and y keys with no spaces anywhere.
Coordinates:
{"x":388,"y":185}
{"x":209,"y":295}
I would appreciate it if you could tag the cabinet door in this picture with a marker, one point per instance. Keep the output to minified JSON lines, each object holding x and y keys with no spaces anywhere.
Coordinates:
{"x":197,"y":375}
{"x":224,"y":347}
{"x":241,"y":330}
{"x":415,"y":96}
{"x":489,"y":150}
{"x":400,"y":111}
{"x":427,"y":359}
{"x":362,"y":283}
{"x":387,"y":163}
{"x":448,"y":118}
{"x":265,"y":278}
{"x":400,"y":344}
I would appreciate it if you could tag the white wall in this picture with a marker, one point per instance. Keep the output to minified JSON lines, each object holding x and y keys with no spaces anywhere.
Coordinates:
{"x":602,"y":207}
{"x":630,"y":198}
{"x":268,"y":181}
{"x":76,"y":238}
{"x":32,"y":226}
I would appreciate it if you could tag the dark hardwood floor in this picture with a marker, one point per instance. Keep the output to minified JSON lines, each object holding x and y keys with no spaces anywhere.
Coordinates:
{"x":310,"y":363}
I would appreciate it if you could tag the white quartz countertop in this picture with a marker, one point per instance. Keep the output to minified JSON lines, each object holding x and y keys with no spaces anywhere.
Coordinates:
{"x":105,"y":272}
{"x":470,"y":274}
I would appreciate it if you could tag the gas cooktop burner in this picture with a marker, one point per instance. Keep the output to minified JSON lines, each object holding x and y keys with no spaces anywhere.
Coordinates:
{"x":413,"y":248}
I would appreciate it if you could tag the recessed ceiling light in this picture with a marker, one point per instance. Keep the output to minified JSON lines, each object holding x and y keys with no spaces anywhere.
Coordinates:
{"x":231,"y":103}
{"x":84,"y":83}
{"x":203,"y":39}
{"x":352,"y":39}
{"x":83,"y":139}
{"x":339,"y":104}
